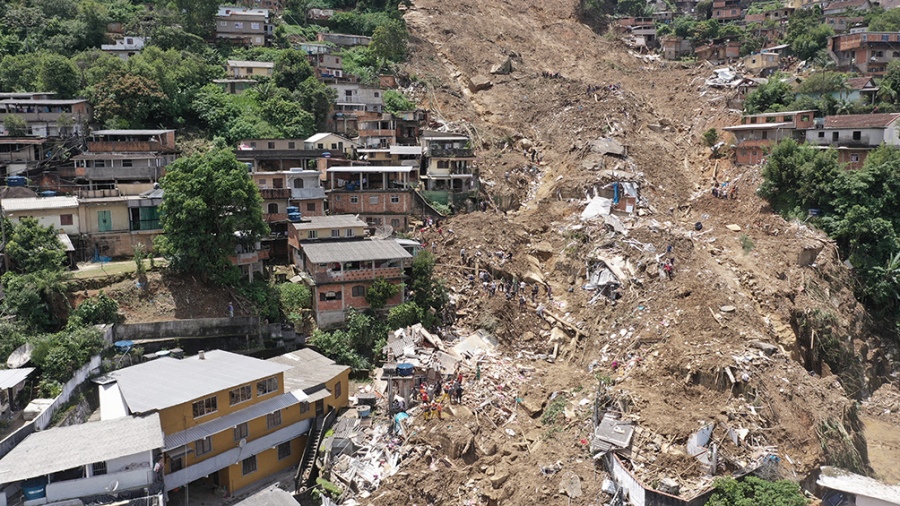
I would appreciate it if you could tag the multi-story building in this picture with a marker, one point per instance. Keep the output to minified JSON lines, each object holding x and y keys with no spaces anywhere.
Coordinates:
{"x":854,"y":135}
{"x":449,"y":168}
{"x":113,"y":222}
{"x":402,"y":128}
{"x":46,"y":117}
{"x":758,"y":132}
{"x":727,"y":10}
{"x":105,"y":462}
{"x":307,"y":193}
{"x":380,"y":195}
{"x":243,"y":25}
{"x":61,"y":213}
{"x":676,"y":47}
{"x":867,"y":52}
{"x":224,"y":416}
{"x":241,"y":69}
{"x":329,"y":66}
{"x":355,"y":103}
{"x":277,"y":154}
{"x":114,"y":156}
{"x":343,"y":39}
{"x":20,"y":154}
{"x":342,"y":271}
{"x":126,"y":47}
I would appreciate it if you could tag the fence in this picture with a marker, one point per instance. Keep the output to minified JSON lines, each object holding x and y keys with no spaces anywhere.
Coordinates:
{"x":43,"y":420}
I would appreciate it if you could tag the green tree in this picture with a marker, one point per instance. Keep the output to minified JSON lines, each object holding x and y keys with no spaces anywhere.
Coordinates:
{"x":428,"y":292}
{"x":20,"y":72}
{"x":94,"y":17}
{"x":769,"y":96}
{"x":95,"y":310}
{"x":95,"y":66}
{"x":404,"y":315}
{"x":389,"y":41}
{"x":59,"y":74}
{"x":395,"y":102}
{"x":823,"y":82}
{"x":291,"y":69}
{"x":753,"y":491}
{"x":212,"y":196}
{"x":886,"y":21}
{"x":33,"y":247}
{"x":380,"y":292}
{"x":15,"y":125}
{"x":293,"y":297}
{"x":197,"y":16}
{"x":60,"y":355}
{"x":710,"y":137}
{"x":317,"y":98}
{"x":134,"y":101}
{"x":288,"y":116}
{"x":37,"y":300}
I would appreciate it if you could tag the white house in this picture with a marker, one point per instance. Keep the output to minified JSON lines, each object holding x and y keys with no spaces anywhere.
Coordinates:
{"x":854,"y":135}
{"x":61,"y":213}
{"x":331,"y":142}
{"x":86,"y":460}
{"x":358,"y":97}
{"x":126,"y":47}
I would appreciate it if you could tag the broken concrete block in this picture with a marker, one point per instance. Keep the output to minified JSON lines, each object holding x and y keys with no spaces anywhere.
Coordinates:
{"x":504,"y":67}
{"x":727,"y":309}
{"x":532,"y":406}
{"x":733,"y":227}
{"x":768,"y":349}
{"x":543,"y":250}
{"x":570,"y":485}
{"x":808,"y":254}
{"x":669,"y":486}
{"x":499,"y":479}
{"x":479,"y":83}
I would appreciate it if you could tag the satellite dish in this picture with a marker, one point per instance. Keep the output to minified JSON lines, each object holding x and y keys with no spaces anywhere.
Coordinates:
{"x":20,"y":357}
{"x":242,"y":442}
{"x":113,"y":486}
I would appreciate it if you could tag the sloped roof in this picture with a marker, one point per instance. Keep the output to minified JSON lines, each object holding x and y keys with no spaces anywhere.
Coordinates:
{"x":845,"y":481}
{"x":354,"y":251}
{"x":333,"y":221}
{"x":39,"y":203}
{"x":58,"y":449}
{"x":167,"y":381}
{"x":12,"y":377}
{"x":861,"y":120}
{"x":272,"y":496}
{"x":860,"y":83}
{"x":250,"y":63}
{"x":308,"y":369}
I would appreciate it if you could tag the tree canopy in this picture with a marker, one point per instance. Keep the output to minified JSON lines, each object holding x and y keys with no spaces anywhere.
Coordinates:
{"x":210,"y":205}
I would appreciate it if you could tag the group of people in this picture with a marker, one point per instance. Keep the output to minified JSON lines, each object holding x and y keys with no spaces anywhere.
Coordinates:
{"x":434,"y":397}
{"x":551,"y":75}
{"x":724,"y":190}
{"x":597,"y":87}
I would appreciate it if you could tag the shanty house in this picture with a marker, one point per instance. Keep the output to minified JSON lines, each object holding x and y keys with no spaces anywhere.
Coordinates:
{"x":843,"y":487}
{"x":107,"y":461}
{"x":854,"y":135}
{"x":114,"y":156}
{"x":758,"y":132}
{"x":47,"y":117}
{"x":61,"y":213}
{"x":243,"y":25}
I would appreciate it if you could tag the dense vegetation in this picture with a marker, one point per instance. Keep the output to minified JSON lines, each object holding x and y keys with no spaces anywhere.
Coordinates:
{"x":752,"y":491}
{"x":859,"y":209}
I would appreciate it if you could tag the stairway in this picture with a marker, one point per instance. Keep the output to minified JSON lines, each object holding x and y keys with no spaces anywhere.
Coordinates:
{"x":425,"y":205}
{"x":313,"y":441}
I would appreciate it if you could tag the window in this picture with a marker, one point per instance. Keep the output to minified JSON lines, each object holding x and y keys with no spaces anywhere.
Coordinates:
{"x":326,"y":296}
{"x":177,"y":464}
{"x":223,"y":24}
{"x":443,"y":164}
{"x":273,"y":208}
{"x":266,"y":386}
{"x":835,"y":136}
{"x":395,"y":199}
{"x":273,"y":419}
{"x":241,"y":431}
{"x":284,"y":450}
{"x":98,"y":468}
{"x":765,"y":134}
{"x":354,"y":199}
{"x":203,"y":446}
{"x":335,"y":232}
{"x":278,"y":183}
{"x":884,"y":38}
{"x":292,"y":145}
{"x":248,"y":465}
{"x":857,"y":135}
{"x":854,"y":158}
{"x":239,"y":24}
{"x":373,"y":199}
{"x":99,"y":164}
{"x":311,"y":207}
{"x":821,"y":135}
{"x":376,"y":94}
{"x":321,"y":146}
{"x":127,"y":163}
{"x":65,"y":219}
{"x":348,"y":232}
{"x":334,"y":145}
{"x":205,"y":406}
{"x":304,"y":407}
{"x":312,"y":234}
{"x":395,"y":223}
{"x":254,"y":26}
{"x":240,"y":394}
{"x":348,"y":93}
{"x":271,"y":145}
{"x":338,"y":390}
{"x":253,"y":144}
{"x":262,"y":183}
{"x":359,"y":291}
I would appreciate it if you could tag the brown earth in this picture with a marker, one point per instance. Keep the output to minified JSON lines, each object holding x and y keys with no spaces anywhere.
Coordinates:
{"x":670,"y":339}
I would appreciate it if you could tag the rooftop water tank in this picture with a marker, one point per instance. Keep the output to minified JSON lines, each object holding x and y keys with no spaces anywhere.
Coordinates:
{"x":294,"y":217}
{"x":48,"y":193}
{"x":15,"y":181}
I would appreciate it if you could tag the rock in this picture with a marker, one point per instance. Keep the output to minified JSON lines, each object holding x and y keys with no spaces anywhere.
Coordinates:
{"x":499,"y":479}
{"x":570,"y":485}
{"x":532,"y":406}
{"x":459,"y":411}
{"x":533,"y":277}
{"x":543,"y":250}
{"x":808,"y":254}
{"x":479,"y":83}
{"x":727,"y":309}
{"x":503,"y":68}
{"x":557,"y":335}
{"x":768,"y":349}
{"x":669,"y":486}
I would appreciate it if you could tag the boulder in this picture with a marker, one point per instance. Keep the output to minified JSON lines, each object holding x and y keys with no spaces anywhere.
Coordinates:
{"x":479,"y":83}
{"x":543,"y":250}
{"x":504,"y":67}
{"x":532,"y":406}
{"x":570,"y":485}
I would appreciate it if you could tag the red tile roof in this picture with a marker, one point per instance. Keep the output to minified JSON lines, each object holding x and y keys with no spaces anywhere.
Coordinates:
{"x":858,"y":83}
{"x":861,"y":120}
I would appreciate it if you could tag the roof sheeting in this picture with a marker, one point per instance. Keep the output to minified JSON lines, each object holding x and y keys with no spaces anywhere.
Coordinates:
{"x":354,"y":251}
{"x":130,"y":132}
{"x":406,"y":150}
{"x":333,"y":221}
{"x":66,"y":242}
{"x":43,"y":101}
{"x":758,"y":126}
{"x":845,"y":481}
{"x":39,"y":203}
{"x":58,"y":449}
{"x":308,"y":369}
{"x":861,"y":120}
{"x":363,"y":169}
{"x":230,"y":420}
{"x":273,"y":496}
{"x":167,"y":381}
{"x":251,"y":63}
{"x":12,"y":377}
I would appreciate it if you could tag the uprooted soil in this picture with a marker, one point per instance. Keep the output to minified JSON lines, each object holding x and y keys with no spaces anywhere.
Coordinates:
{"x":668,"y":345}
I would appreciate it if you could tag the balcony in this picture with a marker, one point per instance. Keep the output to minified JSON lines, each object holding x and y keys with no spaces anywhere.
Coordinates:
{"x":357,"y":275}
{"x":377,"y":132}
{"x":452,"y":153}
{"x":275,"y":193}
{"x":126,"y":147}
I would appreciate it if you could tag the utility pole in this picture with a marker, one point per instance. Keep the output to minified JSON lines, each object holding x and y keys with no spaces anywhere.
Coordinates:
{"x":3,"y":231}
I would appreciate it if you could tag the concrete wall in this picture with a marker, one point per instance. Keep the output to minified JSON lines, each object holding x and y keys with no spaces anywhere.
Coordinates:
{"x":50,"y":218}
{"x":197,"y":328}
{"x":98,"y":485}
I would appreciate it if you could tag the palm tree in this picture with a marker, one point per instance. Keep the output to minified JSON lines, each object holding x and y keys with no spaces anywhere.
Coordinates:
{"x":886,"y":92}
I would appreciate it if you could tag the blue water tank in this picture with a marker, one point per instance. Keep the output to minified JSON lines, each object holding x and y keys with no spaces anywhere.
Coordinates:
{"x":35,"y":488}
{"x":294,"y":217}
{"x":15,"y":181}
{"x":326,"y":155}
{"x":293,"y":209}
{"x":404,"y":369}
{"x":48,"y":193}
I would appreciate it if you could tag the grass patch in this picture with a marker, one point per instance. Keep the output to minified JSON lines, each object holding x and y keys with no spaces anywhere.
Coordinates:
{"x":556,"y":407}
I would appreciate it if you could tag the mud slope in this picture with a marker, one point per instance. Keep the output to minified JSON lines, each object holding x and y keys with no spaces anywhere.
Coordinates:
{"x":668,"y":345}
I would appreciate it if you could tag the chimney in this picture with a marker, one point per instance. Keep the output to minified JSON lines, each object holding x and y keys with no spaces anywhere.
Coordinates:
{"x":202,"y":355}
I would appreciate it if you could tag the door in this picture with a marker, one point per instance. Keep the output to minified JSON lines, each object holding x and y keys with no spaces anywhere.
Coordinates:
{"x":320,"y":407}
{"x":104,"y":221}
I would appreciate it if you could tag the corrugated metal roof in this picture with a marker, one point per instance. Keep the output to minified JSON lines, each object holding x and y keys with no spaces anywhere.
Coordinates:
{"x":251,"y":63}
{"x":334,"y":221}
{"x":406,"y":150}
{"x":12,"y":377}
{"x":308,"y":369}
{"x":366,"y":168}
{"x":318,"y":395}
{"x":43,"y":101}
{"x":845,"y":481}
{"x":354,"y":251}
{"x":228,"y":421}
{"x":273,"y":496}
{"x":39,"y":203}
{"x":861,"y":120}
{"x":58,"y":449}
{"x":66,"y":242}
{"x":130,"y":132}
{"x":167,"y":381}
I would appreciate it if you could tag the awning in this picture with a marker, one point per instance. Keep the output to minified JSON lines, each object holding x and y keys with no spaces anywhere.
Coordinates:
{"x":318,"y":395}
{"x":9,"y":378}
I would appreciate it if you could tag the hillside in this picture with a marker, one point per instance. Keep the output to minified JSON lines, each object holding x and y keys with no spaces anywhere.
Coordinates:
{"x":669,"y":346}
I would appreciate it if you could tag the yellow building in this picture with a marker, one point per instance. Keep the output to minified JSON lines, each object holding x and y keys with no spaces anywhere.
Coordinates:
{"x":225,"y":416}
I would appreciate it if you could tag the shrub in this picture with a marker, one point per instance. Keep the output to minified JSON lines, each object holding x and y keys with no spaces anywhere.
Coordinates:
{"x":95,"y":310}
